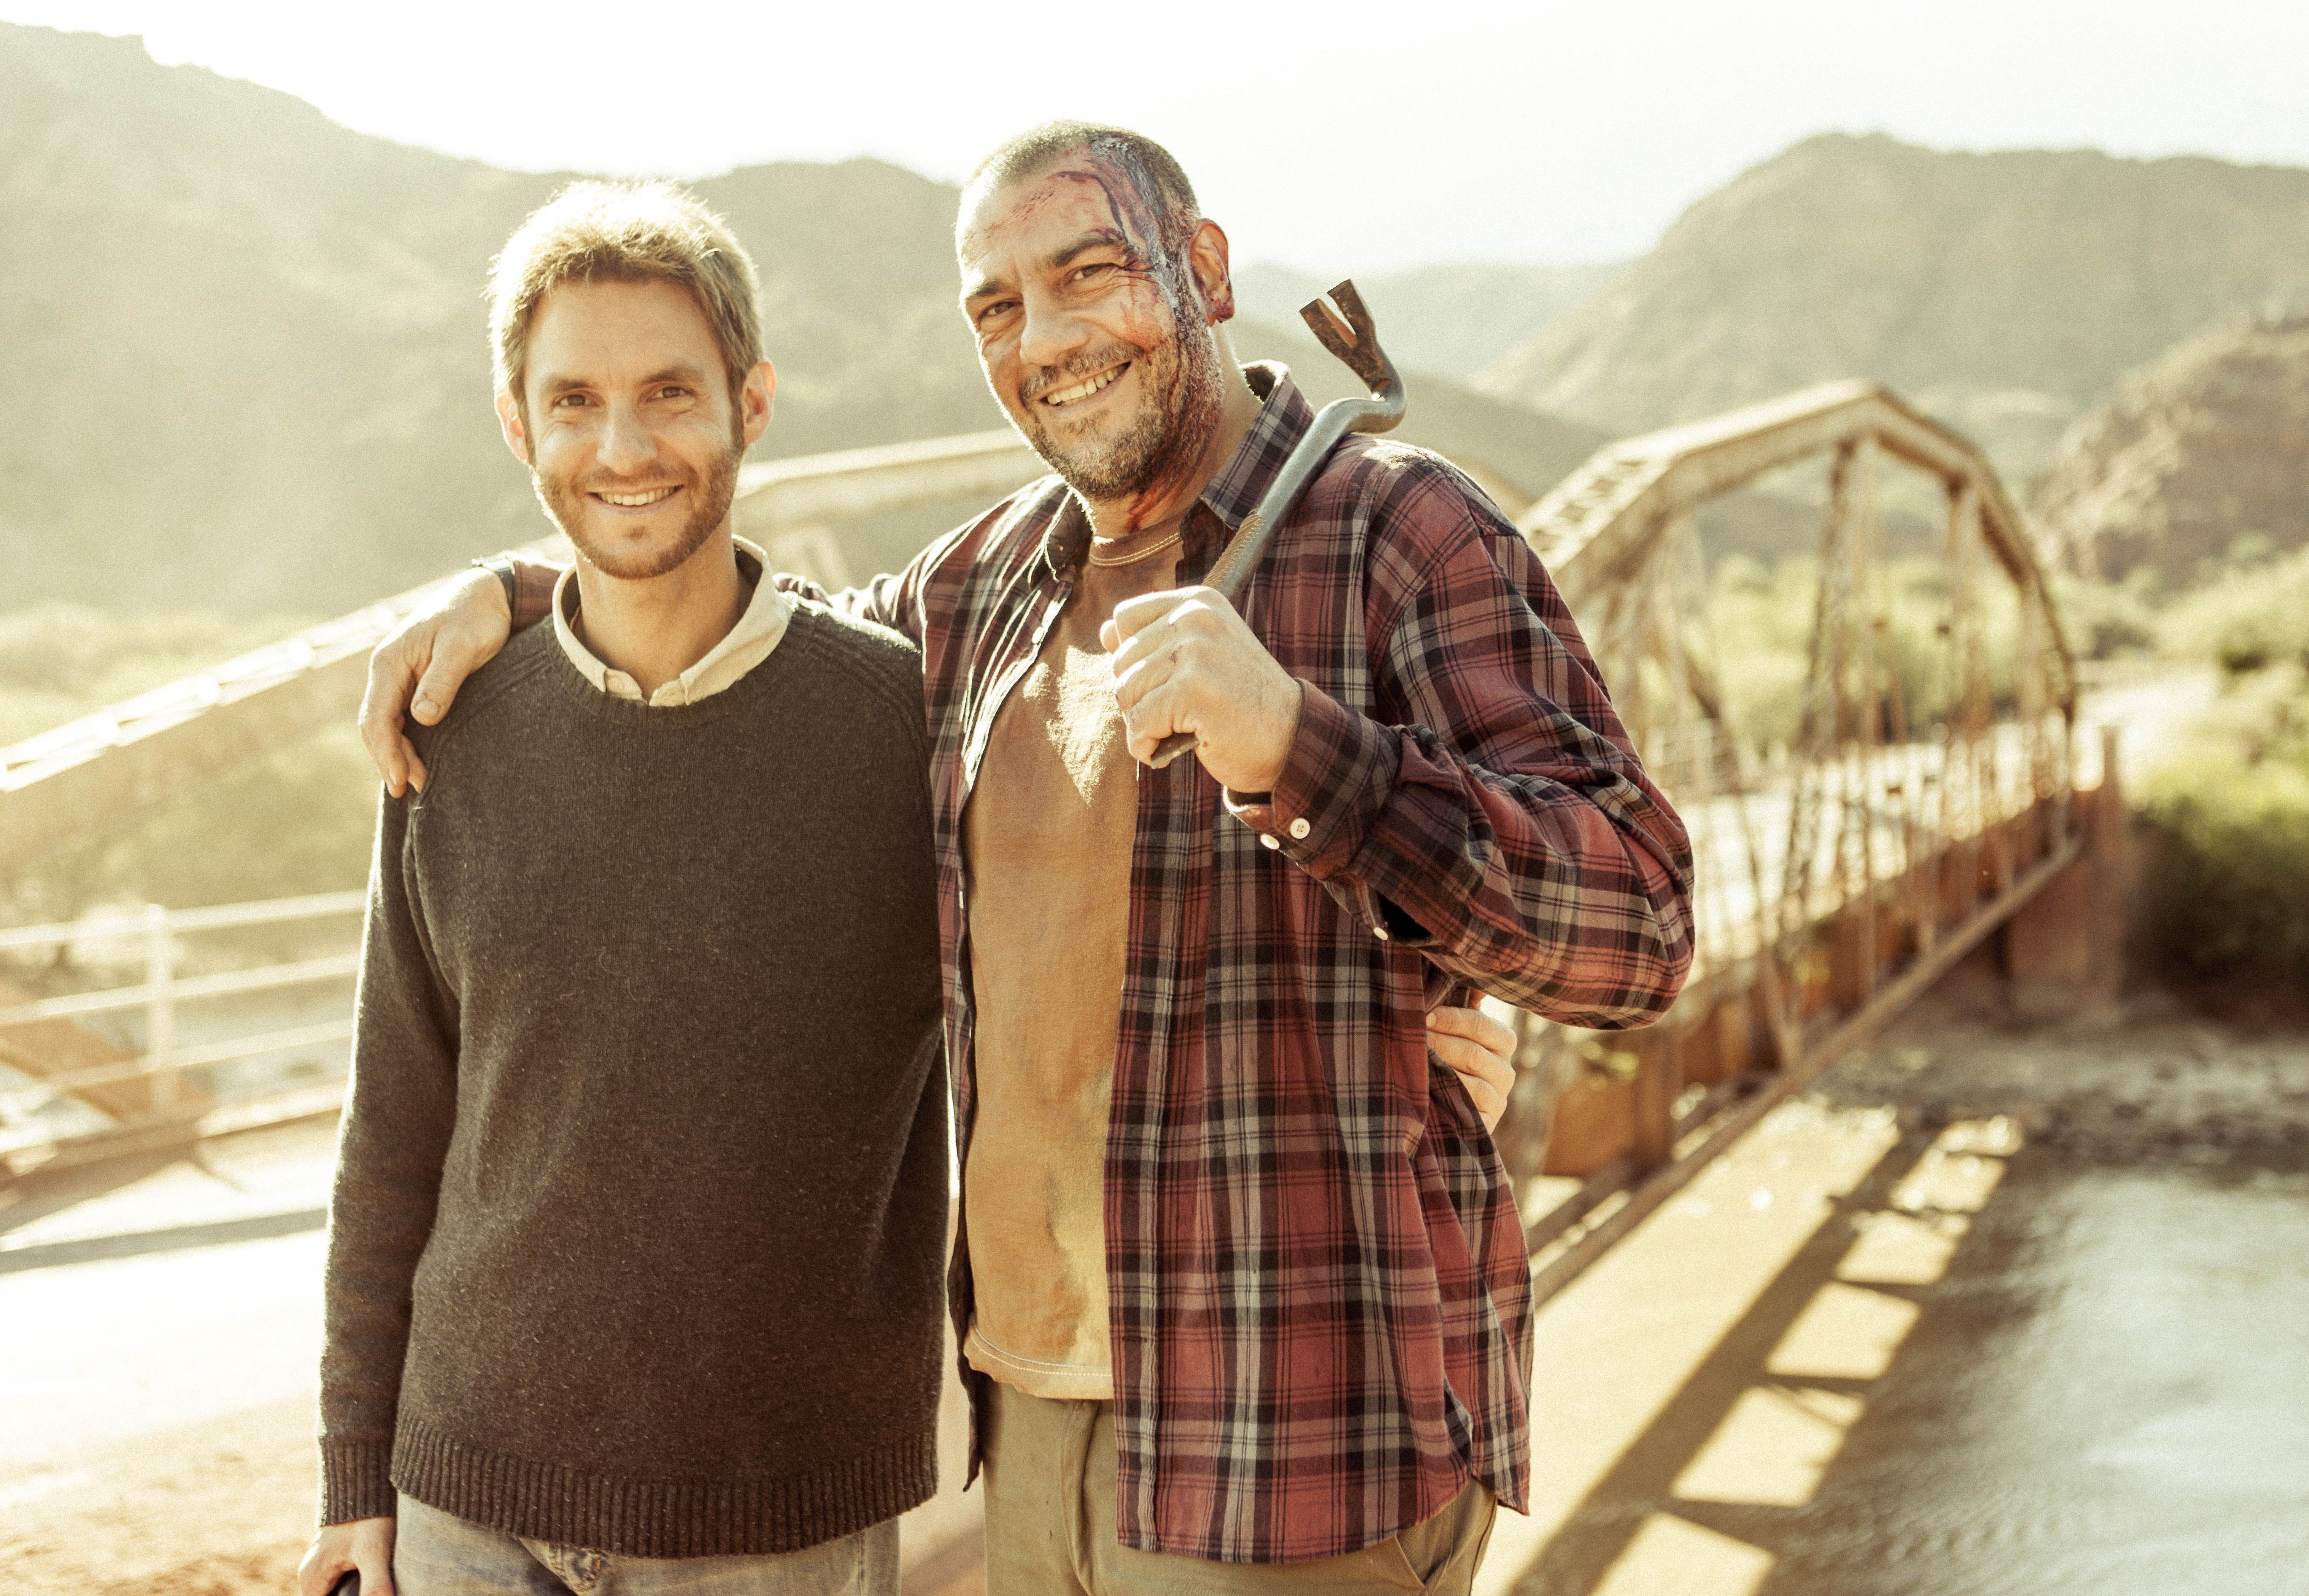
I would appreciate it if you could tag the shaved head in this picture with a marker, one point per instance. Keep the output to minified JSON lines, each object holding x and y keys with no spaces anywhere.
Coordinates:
{"x":1156,"y":175}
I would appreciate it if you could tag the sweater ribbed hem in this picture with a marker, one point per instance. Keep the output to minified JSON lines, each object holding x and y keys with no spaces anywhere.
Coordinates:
{"x":660,"y":1518}
{"x":355,"y":1482}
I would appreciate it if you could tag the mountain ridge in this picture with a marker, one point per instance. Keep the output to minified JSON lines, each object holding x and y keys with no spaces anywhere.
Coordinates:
{"x":248,"y":361}
{"x":1452,"y":318}
{"x":250,"y":345}
{"x":2199,"y":449}
{"x":2004,"y":290}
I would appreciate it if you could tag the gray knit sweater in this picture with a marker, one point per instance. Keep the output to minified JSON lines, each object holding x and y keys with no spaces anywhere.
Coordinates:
{"x":637,"y":1237}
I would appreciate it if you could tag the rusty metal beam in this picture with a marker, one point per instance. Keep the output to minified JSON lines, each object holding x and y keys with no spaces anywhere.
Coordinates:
{"x":1600,"y":524}
{"x":827,"y":490}
{"x":183,"y":1129}
{"x":100,"y":771}
{"x":97,"y":772}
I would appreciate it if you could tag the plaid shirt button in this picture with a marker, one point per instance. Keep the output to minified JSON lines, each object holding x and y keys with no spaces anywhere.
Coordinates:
{"x":1270,"y":839}
{"x":1379,"y":932}
{"x":1300,"y":828}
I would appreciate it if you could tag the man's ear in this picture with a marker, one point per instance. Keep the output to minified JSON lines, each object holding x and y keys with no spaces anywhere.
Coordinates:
{"x":1207,"y":254}
{"x":517,"y":435}
{"x":757,"y":399}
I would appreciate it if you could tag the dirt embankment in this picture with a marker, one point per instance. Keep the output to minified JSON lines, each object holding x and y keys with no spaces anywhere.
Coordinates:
{"x":221,"y":1508}
{"x":2144,"y":1077}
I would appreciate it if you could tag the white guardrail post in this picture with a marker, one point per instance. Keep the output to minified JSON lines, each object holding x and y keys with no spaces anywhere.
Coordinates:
{"x":159,"y":1008}
{"x":170,"y":1110}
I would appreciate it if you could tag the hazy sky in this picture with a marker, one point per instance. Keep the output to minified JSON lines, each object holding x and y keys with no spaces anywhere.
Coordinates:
{"x":1342,"y":135}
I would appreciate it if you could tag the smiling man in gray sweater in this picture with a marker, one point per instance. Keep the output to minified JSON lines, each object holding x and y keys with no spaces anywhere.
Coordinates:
{"x":634,"y":1259}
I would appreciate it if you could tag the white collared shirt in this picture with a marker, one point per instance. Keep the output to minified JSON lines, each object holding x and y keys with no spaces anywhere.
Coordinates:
{"x":746,"y":645}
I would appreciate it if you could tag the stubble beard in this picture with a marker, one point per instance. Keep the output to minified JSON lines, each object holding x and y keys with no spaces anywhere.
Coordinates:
{"x":709,"y":498}
{"x":1182,"y":383}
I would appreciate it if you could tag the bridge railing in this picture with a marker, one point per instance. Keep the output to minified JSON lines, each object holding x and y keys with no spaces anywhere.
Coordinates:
{"x":99,"y":771}
{"x":124,"y":1057}
{"x":1918,"y":806}
{"x":95,"y":774}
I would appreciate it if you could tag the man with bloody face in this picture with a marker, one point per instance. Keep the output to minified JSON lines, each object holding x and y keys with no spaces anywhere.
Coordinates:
{"x":1241,"y":1290}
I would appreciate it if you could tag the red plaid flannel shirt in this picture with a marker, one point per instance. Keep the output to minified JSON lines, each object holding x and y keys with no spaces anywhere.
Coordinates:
{"x":1319,"y":1288}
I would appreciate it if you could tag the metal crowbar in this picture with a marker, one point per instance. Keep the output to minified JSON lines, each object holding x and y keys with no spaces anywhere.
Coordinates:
{"x":1355,"y":341}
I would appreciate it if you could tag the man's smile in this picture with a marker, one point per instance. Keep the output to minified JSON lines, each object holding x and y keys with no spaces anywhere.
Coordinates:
{"x":1060,"y":398}
{"x":641,"y":500}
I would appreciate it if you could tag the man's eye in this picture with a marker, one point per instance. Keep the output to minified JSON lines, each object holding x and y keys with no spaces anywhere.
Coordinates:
{"x":998,"y":308}
{"x":570,"y":401}
{"x":673,"y":392}
{"x":1084,"y":273}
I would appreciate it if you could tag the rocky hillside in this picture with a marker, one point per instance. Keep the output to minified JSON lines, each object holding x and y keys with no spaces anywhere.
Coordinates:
{"x":2004,"y":291}
{"x":2203,"y":453}
{"x":246,"y":365}
{"x":1455,"y":319}
{"x":237,"y":337}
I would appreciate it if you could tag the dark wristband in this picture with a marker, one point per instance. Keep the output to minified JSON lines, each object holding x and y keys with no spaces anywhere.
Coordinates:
{"x":501,"y":566}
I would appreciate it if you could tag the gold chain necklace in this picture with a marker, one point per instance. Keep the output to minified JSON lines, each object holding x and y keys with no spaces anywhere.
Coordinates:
{"x":1135,"y":554}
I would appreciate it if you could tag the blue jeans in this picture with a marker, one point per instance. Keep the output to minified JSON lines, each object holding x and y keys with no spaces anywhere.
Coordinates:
{"x":437,"y":1554}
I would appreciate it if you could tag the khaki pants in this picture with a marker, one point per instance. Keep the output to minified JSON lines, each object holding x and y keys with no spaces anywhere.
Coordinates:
{"x":1050,"y":1524}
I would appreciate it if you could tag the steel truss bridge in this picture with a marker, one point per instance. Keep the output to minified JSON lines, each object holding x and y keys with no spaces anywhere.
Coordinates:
{"x":1925,"y":802}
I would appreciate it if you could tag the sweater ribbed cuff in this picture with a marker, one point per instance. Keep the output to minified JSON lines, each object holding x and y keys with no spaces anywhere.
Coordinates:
{"x":356,"y":1481}
{"x":644,"y":1518}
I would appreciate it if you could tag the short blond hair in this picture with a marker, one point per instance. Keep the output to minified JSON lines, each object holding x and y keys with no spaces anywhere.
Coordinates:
{"x":593,"y":231}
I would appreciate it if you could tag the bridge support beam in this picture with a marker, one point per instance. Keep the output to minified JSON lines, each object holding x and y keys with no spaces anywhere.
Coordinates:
{"x":2064,"y":950}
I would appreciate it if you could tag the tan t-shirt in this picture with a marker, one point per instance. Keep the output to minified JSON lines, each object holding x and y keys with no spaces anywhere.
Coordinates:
{"x":1048,"y":831}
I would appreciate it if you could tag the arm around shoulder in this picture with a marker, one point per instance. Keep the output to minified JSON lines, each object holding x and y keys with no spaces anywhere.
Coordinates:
{"x":416,"y":672}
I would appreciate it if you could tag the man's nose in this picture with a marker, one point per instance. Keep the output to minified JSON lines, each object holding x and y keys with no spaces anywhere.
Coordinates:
{"x":1051,"y":335}
{"x":628,"y":444}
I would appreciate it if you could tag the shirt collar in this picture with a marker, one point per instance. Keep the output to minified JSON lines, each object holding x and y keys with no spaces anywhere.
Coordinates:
{"x":1284,"y":418}
{"x":745,"y":644}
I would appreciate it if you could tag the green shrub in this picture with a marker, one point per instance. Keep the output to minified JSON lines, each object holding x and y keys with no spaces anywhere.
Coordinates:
{"x":2108,"y":620}
{"x":2227,"y":891}
{"x":1758,"y":627}
{"x":2253,"y":614}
